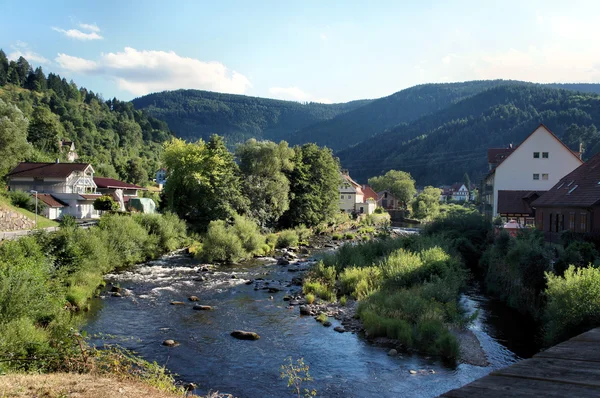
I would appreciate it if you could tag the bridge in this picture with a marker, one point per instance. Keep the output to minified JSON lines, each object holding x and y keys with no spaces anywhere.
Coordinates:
{"x":569,"y":369}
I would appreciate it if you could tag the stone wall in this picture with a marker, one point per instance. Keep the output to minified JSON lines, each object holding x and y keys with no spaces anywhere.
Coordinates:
{"x":10,"y":220}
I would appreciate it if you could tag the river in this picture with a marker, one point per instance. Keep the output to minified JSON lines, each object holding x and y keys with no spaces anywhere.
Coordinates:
{"x":342,"y":365}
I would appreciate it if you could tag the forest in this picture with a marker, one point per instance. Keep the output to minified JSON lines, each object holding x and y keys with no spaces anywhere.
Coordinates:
{"x":120,"y":141}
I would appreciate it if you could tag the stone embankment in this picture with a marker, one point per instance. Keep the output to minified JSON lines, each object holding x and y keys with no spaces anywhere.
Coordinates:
{"x":10,"y":221}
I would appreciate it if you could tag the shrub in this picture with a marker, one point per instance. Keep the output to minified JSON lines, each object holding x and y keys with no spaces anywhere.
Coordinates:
{"x":310,"y":298}
{"x":336,"y":237}
{"x":271,"y":240}
{"x":287,"y":238}
{"x":126,"y":239}
{"x":577,"y":253}
{"x":343,"y":300}
{"x":169,"y":228}
{"x":349,"y":235}
{"x":21,"y":199}
{"x":322,"y":317}
{"x":360,"y":282}
{"x":318,"y":289}
{"x":573,"y":303}
{"x":106,"y":203}
{"x":303,"y":233}
{"x":220,"y":244}
{"x":249,"y":234}
{"x":320,"y":272}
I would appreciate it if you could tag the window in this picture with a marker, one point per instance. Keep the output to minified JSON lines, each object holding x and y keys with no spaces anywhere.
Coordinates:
{"x":536,"y":176}
{"x":349,"y":196}
{"x":536,"y":155}
{"x":545,"y":155}
{"x":544,"y":176}
{"x":572,"y":221}
{"x":583,"y":222}
{"x":342,"y":197}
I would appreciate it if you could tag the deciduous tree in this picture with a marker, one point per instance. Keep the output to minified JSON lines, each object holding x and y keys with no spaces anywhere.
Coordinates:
{"x":399,"y":183}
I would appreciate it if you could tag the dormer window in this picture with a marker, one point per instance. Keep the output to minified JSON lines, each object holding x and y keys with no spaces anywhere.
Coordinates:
{"x":572,"y":189}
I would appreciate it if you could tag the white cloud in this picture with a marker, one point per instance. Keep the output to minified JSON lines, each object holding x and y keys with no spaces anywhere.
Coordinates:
{"x":296,"y":94}
{"x":79,"y":35}
{"x":21,"y":49}
{"x":143,"y":72}
{"x":91,"y":27}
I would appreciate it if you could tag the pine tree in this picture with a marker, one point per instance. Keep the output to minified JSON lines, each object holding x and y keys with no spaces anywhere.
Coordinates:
{"x":3,"y":68}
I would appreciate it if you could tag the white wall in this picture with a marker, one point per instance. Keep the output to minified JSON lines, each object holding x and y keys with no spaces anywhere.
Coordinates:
{"x":516,"y":172}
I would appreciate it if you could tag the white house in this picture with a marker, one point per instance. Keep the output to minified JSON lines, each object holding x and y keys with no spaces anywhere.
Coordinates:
{"x":519,"y":175}
{"x":352,"y":198}
{"x":69,"y":147}
{"x":460,"y":192}
{"x":161,"y":176}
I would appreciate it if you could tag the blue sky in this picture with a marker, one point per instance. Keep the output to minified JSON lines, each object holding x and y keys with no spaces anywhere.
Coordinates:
{"x":328,"y":51}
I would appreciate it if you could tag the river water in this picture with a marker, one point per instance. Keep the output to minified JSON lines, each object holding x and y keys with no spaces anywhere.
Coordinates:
{"x":342,"y":365}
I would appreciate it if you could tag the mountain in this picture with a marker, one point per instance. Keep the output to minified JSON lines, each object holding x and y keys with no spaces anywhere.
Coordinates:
{"x":440,"y":147}
{"x":194,"y":114}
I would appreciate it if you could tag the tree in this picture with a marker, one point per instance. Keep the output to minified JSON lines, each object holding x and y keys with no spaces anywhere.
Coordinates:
{"x":399,"y":183}
{"x":467,"y":181}
{"x":13,"y":137}
{"x":204,"y":183}
{"x":136,"y":173}
{"x":3,"y":68}
{"x":426,"y":205}
{"x":23,"y":69}
{"x":263,"y":166}
{"x":314,"y":185}
{"x":105,"y":203}
{"x":44,"y":130}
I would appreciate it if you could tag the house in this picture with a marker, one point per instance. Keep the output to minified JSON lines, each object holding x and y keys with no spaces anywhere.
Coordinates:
{"x":460,"y":192}
{"x":69,"y":148}
{"x":53,"y":208}
{"x":518,"y":174}
{"x":52,"y":177}
{"x":120,"y":191}
{"x":161,"y":176}
{"x":352,"y":197}
{"x":572,"y":204}
{"x":369,"y":193}
{"x":388,"y":201}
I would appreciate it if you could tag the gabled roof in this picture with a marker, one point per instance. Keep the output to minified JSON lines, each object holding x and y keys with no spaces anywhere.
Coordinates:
{"x":47,"y":170}
{"x":49,"y":200}
{"x":354,"y":184}
{"x":497,"y":155}
{"x":369,"y":193}
{"x":516,"y":202}
{"x":572,"y":152}
{"x":103,"y":182}
{"x":579,"y":188}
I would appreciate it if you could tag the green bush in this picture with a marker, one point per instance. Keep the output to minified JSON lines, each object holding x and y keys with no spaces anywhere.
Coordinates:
{"x":343,"y":300}
{"x":320,"y":290}
{"x":310,"y":298}
{"x":287,"y":238}
{"x":271,"y":240}
{"x":360,"y":282}
{"x":106,"y":203}
{"x":573,"y":303}
{"x":169,"y":228}
{"x":336,"y":237}
{"x":349,"y":235}
{"x":249,"y":234}
{"x":220,"y":244}
{"x":304,"y":233}
{"x":126,"y":239}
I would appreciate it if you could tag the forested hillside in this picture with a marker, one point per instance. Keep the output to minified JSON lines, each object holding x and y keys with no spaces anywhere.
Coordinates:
{"x":194,"y":114}
{"x":120,"y":141}
{"x":441,"y":147}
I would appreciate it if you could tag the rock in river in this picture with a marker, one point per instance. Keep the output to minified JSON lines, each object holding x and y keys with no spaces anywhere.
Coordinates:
{"x":305,"y":310}
{"x":339,"y":329}
{"x":193,"y":298}
{"x":170,"y":343}
{"x":203,"y":307}
{"x":392,"y":352}
{"x":283,"y":261}
{"x":243,"y":335}
{"x":177,"y":303}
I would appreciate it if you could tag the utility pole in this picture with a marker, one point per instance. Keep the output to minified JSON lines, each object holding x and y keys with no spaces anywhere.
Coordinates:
{"x":36,"y":206}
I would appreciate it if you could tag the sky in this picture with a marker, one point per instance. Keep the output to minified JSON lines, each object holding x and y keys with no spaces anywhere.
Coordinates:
{"x":324,"y":51}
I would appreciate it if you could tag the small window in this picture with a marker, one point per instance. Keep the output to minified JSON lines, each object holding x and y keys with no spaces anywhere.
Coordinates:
{"x":342,"y":197}
{"x":544,"y":176}
{"x":536,"y":176}
{"x":572,"y":221}
{"x":545,"y":155}
{"x":349,"y":196}
{"x":583,"y":223}
{"x":536,"y":155}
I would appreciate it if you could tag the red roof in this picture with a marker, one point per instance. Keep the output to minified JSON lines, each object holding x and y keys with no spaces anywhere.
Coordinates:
{"x":47,"y":170}
{"x":49,"y":200}
{"x":103,"y":182}
{"x":579,"y":188}
{"x":497,"y":155}
{"x":517,"y":202}
{"x":369,"y":193}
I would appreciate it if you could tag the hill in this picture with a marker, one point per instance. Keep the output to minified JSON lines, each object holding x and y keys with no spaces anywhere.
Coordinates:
{"x":120,"y":141}
{"x":441,"y":147}
{"x":194,"y":114}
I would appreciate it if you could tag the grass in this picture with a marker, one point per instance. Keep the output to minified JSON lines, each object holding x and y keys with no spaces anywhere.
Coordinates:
{"x":43,"y":222}
{"x":322,"y":317}
{"x":310,"y":298}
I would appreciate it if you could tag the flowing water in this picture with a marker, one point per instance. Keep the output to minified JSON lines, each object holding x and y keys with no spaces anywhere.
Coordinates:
{"x":342,"y":365}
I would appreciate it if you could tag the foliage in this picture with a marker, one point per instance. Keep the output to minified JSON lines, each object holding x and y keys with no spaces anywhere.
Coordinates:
{"x":106,"y":203}
{"x":314,"y":184}
{"x":295,"y":374}
{"x":287,"y":238}
{"x":426,"y":205}
{"x":263,"y":165}
{"x":310,"y":298}
{"x":399,"y":183}
{"x":573,"y":303}
{"x":13,"y":136}
{"x":231,"y":243}
{"x":360,"y":282}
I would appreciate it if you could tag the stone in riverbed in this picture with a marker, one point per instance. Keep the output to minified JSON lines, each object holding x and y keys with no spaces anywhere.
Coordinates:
{"x":287,"y":298}
{"x":283,"y":261}
{"x":116,"y":294}
{"x":115,"y":289}
{"x":170,"y":343}
{"x":327,"y":324}
{"x":177,"y":303}
{"x":243,"y":335}
{"x":193,"y":298}
{"x":339,"y":329}
{"x":203,"y":307}
{"x":412,"y":372}
{"x":273,"y":290}
{"x":393,"y":352}
{"x":249,"y":282}
{"x":304,"y":310}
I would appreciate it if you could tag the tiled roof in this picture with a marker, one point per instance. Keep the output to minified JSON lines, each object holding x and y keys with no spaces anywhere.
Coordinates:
{"x":579,"y":188}
{"x":369,"y":193}
{"x":103,"y":182}
{"x":517,"y":202}
{"x":49,"y":200}
{"x":47,"y":170}
{"x":497,"y":155}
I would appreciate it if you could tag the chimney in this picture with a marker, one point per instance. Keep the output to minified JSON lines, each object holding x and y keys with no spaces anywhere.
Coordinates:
{"x":510,"y":146}
{"x":57,"y":160}
{"x":581,"y":150}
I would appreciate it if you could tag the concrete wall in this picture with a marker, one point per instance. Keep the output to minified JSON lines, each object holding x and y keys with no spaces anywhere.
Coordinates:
{"x":516,"y":172}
